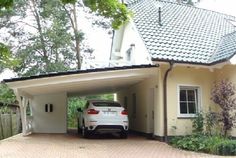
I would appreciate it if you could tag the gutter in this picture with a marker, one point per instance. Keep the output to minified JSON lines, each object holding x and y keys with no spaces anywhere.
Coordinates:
{"x":112,"y":42}
{"x":165,"y":100}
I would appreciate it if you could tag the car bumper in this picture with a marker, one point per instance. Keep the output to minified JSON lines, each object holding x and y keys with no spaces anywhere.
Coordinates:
{"x":108,"y":128}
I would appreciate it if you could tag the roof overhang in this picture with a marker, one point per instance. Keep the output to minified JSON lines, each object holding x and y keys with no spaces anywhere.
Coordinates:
{"x":83,"y":82}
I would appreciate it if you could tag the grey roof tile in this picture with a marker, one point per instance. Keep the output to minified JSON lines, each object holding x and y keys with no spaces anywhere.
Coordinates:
{"x":187,"y":34}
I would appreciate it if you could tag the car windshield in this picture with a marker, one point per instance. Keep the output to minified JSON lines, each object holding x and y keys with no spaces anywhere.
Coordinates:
{"x":106,"y":104}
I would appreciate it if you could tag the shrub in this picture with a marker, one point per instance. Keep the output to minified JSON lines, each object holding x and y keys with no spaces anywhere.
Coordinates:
{"x":223,"y":94}
{"x":227,"y":147}
{"x":198,"y":123}
{"x":193,"y":142}
{"x":201,"y":143}
{"x":211,"y":120}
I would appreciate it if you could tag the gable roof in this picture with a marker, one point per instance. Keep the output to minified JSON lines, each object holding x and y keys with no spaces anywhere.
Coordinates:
{"x":187,"y":34}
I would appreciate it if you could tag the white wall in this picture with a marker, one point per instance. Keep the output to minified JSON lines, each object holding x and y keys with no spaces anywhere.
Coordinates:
{"x":142,"y":89}
{"x":126,"y":36}
{"x":50,"y":122}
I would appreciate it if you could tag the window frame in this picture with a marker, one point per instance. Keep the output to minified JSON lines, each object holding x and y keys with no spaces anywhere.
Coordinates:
{"x":198,"y":99}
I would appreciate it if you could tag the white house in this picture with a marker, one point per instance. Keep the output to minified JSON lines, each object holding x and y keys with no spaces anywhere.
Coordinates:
{"x":188,"y":48}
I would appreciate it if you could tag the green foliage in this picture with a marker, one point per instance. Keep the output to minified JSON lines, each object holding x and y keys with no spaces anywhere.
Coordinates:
{"x":211,"y":120}
{"x":198,"y":142}
{"x":6,"y":3}
{"x":193,"y":142}
{"x":79,"y":36}
{"x":69,"y":1}
{"x":226,"y":148}
{"x":6,"y":59}
{"x":5,"y":110}
{"x":6,"y":95}
{"x":198,"y":122}
{"x":112,"y":9}
{"x":51,"y":49}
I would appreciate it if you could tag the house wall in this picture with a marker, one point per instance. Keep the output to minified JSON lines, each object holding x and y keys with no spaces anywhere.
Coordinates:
{"x":139,"y":122}
{"x":180,"y":75}
{"x":130,"y":36}
{"x":200,"y":77}
{"x":49,"y":122}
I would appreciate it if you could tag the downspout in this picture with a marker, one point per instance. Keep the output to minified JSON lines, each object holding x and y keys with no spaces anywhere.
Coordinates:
{"x":165,"y":100}
{"x":112,"y":40}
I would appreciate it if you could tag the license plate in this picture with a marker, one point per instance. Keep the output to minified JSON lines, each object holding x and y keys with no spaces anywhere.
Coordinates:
{"x":109,"y":112}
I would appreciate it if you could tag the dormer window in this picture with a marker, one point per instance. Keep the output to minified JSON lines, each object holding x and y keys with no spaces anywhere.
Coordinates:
{"x":130,"y":52}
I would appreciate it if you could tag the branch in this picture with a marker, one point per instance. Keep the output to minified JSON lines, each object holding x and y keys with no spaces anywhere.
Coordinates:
{"x":27,"y":24}
{"x":68,"y":14}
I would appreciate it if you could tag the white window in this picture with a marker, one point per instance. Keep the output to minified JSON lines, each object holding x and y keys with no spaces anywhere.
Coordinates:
{"x":188,"y":101}
{"x":128,"y":54}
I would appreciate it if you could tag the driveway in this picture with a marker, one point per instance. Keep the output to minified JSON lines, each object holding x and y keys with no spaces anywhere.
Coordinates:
{"x":73,"y":146}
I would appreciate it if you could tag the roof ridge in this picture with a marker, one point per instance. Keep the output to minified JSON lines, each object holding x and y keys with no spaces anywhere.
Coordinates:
{"x":195,"y":7}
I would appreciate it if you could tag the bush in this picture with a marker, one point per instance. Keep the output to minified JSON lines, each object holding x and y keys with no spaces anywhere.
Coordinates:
{"x":205,"y":143}
{"x":195,"y":142}
{"x":227,"y":147}
{"x":198,"y":123}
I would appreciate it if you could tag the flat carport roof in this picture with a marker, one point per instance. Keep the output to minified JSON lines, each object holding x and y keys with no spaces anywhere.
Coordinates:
{"x":83,"y":82}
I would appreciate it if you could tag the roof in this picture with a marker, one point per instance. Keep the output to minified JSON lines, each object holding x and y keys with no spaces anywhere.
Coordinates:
{"x":187,"y":34}
{"x":83,"y":82}
{"x":78,"y":72}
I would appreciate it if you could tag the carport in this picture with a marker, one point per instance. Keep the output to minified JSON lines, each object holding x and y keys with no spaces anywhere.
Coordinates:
{"x":46,"y":95}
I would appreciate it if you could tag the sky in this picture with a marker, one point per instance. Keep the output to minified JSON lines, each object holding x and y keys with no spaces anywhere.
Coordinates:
{"x":101,"y":42}
{"x":223,"y":6}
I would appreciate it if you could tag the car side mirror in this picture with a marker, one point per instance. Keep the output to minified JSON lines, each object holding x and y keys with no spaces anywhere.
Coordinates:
{"x":79,"y":110}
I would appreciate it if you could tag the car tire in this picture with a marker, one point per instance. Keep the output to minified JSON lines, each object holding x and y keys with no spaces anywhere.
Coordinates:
{"x":79,"y":130}
{"x":123,"y":135}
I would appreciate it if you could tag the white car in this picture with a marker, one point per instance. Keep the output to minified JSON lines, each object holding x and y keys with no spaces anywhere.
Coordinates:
{"x":102,"y":116}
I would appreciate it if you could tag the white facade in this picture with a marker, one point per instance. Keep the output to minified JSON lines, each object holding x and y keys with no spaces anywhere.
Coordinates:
{"x":127,"y":40}
{"x":49,"y":122}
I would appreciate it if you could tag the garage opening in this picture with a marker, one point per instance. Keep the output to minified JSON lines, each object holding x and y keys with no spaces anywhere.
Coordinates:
{"x":135,"y":87}
{"x":76,"y":102}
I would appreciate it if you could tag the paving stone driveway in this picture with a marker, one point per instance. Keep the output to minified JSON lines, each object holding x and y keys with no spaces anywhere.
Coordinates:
{"x":73,"y":146}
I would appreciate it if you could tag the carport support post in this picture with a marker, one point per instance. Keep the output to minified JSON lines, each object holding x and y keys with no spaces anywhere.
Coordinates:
{"x":22,"y":105}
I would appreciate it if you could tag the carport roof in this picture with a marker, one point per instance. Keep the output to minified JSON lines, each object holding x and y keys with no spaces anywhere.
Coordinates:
{"x":83,"y":82}
{"x":53,"y":74}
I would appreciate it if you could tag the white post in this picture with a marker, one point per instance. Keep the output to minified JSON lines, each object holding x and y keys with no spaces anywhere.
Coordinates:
{"x":23,"y":116}
{"x":22,"y":106}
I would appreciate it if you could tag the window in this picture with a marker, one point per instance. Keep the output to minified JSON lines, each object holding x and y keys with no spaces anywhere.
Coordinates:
{"x":128,"y":54}
{"x":106,"y":104}
{"x":188,"y":101}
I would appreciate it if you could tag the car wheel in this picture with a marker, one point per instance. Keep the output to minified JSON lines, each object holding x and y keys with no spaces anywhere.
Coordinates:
{"x":123,"y":135}
{"x":79,"y":130}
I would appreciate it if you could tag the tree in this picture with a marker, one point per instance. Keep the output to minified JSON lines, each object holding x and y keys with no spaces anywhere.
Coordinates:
{"x":6,"y":95}
{"x":6,"y":3}
{"x":111,"y":9}
{"x":223,"y":95}
{"x":6,"y":58}
{"x":47,"y":47}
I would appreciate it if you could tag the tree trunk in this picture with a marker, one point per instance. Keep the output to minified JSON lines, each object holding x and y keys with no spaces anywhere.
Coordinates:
{"x":74,"y":25}
{"x":77,"y":42}
{"x":40,"y":31}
